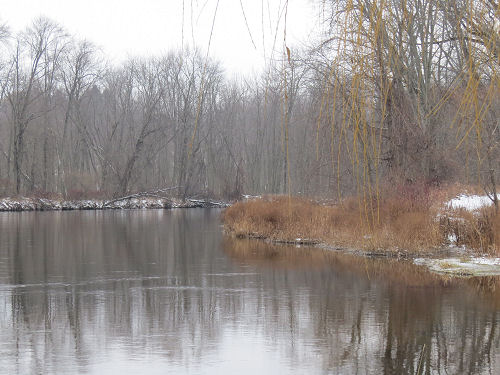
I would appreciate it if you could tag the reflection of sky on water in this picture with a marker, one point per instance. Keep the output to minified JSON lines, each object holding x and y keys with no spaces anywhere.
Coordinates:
{"x":161,"y":291}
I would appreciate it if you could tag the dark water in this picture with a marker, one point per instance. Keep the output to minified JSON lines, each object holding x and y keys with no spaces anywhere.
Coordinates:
{"x":163,"y":292}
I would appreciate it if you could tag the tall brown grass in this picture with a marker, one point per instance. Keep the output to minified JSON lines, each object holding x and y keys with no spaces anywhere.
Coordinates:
{"x":393,"y":223}
{"x":478,"y":230}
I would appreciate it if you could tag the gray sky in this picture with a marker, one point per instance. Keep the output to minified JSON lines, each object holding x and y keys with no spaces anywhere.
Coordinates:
{"x":149,"y":27}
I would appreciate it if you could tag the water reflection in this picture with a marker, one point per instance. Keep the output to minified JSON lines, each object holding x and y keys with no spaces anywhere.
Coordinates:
{"x":384,"y":314}
{"x":162,"y":291}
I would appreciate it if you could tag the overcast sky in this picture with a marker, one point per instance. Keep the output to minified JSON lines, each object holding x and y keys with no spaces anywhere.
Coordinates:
{"x":125,"y":28}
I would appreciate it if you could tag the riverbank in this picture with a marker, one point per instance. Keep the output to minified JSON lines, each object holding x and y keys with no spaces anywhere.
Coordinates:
{"x":418,"y":226}
{"x":42,"y":204}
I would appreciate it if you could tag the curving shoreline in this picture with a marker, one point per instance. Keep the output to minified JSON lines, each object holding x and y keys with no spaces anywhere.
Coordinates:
{"x":393,"y":253}
{"x":438,"y":233}
{"x":445,"y":261}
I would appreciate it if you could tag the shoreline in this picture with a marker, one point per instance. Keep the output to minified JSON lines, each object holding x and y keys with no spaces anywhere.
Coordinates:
{"x":381,"y":253}
{"x":25,"y":204}
{"x":444,"y":239}
{"x":445,"y":261}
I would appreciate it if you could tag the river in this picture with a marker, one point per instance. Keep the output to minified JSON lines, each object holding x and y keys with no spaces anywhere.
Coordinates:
{"x":165,"y":292}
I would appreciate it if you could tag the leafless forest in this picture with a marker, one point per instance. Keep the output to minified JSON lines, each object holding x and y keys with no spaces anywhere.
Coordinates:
{"x":396,"y":92}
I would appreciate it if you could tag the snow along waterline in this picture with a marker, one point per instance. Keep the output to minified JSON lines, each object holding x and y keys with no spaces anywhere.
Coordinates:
{"x":40,"y":204}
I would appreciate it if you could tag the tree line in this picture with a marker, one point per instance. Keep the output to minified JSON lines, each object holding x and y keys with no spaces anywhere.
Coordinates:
{"x":395,"y":92}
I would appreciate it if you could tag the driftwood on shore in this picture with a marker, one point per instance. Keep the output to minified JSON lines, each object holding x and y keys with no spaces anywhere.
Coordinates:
{"x":150,"y":194}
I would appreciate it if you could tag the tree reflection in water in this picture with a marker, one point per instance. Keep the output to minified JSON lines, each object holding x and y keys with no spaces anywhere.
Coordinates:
{"x":80,"y":290}
{"x":390,"y":312}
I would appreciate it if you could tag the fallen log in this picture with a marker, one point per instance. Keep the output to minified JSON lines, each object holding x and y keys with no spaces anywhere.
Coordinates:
{"x":154,"y":194}
{"x":207,"y":203}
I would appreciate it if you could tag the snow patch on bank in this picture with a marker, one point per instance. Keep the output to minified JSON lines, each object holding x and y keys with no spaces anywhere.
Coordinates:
{"x":451,"y":215}
{"x":38,"y":204}
{"x":470,"y":202}
{"x":465,"y":266}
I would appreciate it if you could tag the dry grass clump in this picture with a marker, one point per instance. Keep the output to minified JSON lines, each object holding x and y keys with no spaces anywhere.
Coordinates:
{"x":276,"y":218}
{"x":406,"y":223}
{"x":478,"y":230}
{"x":391,"y":225}
{"x":401,"y":221}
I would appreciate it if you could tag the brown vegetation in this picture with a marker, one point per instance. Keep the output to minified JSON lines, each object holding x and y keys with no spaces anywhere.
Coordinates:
{"x":414,"y":223}
{"x":476,"y":230}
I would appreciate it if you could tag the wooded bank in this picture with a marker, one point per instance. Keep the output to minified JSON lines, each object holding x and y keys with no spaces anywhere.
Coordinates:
{"x":400,"y":93}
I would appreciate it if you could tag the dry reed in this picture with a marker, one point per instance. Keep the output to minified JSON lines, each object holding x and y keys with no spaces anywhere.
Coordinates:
{"x":402,"y":222}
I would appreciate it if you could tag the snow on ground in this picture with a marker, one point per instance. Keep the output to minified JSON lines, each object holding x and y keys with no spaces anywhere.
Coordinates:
{"x":38,"y":204}
{"x":466,"y":266}
{"x":470,"y":202}
{"x":248,"y":197}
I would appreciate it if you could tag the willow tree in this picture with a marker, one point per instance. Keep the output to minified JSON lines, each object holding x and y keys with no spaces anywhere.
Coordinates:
{"x":397,"y":64}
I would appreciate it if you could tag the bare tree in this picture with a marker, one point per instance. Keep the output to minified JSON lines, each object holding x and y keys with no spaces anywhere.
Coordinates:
{"x":35,"y":55}
{"x":81,"y":70}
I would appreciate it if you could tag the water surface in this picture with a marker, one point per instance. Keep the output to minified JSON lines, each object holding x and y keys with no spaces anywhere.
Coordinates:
{"x":163,"y":291}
